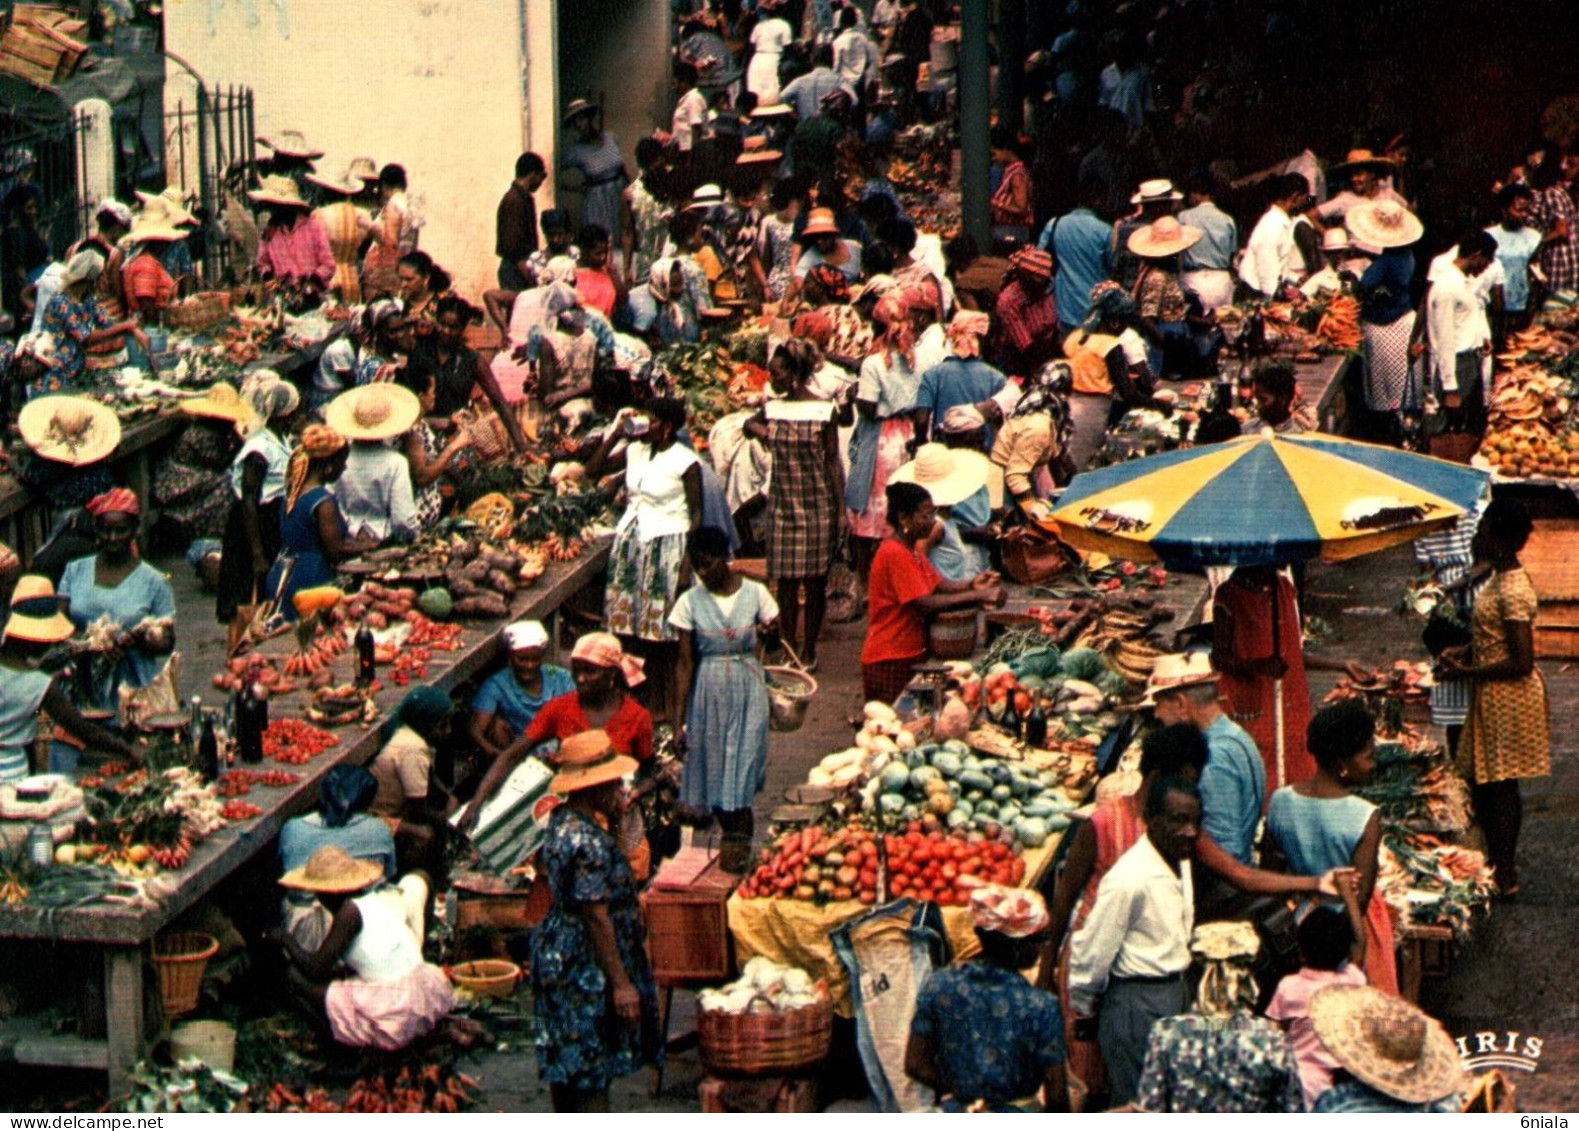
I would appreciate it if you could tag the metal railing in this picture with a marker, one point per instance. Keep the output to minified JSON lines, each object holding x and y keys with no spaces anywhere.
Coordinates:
{"x":206,"y":140}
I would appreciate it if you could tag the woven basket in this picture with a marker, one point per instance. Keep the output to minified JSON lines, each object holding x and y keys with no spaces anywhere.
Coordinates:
{"x":181,"y":958}
{"x":201,"y":312}
{"x":489,"y":438}
{"x":757,"y":1044}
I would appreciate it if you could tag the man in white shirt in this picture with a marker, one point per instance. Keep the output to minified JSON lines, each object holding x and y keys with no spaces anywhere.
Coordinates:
{"x":855,"y":57}
{"x":1133,"y":951}
{"x":1460,"y":333}
{"x":690,"y":112}
{"x":1271,"y":257}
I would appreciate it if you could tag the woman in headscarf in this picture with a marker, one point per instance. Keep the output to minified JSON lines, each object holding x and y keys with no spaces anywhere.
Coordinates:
{"x":341,"y":819}
{"x":191,"y":478}
{"x":535,"y":312}
{"x":604,"y":674}
{"x":408,"y":798}
{"x":961,"y":378}
{"x":313,"y":533}
{"x":1032,"y":447}
{"x":116,"y":586}
{"x":75,"y":321}
{"x":884,"y":427}
{"x":829,"y":320}
{"x":597,"y":1008}
{"x":1112,"y":372}
{"x":257,"y":492}
{"x":385,"y":341}
{"x":509,"y":700}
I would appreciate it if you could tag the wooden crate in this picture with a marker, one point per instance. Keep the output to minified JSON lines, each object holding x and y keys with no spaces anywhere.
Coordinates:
{"x":1557,"y":630}
{"x":688,"y":929}
{"x":1551,"y":557}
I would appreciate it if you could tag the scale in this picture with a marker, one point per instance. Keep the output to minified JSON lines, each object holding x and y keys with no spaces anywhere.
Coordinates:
{"x":929,"y":681}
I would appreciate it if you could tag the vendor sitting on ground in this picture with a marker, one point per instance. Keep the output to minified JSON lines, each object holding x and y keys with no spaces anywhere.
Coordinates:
{"x":904,"y":590}
{"x":342,"y":820}
{"x":509,"y":700}
{"x":35,"y":626}
{"x":392,"y":997}
{"x":982,"y":1036}
{"x":408,"y":799}
{"x":958,"y":544}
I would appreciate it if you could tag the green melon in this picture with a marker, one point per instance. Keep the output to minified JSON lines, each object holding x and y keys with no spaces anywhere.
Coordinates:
{"x":436,"y":604}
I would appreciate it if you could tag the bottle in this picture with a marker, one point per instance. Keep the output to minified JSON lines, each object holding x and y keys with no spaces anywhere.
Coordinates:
{"x":208,"y":750}
{"x":1011,"y":716}
{"x":1036,"y":725}
{"x":366,"y":666}
{"x":194,"y":727}
{"x":252,"y":719}
{"x":40,"y":844}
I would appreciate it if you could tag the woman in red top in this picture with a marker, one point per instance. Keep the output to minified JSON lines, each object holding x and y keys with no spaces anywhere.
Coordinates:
{"x":904,"y":590}
{"x":603,"y":674}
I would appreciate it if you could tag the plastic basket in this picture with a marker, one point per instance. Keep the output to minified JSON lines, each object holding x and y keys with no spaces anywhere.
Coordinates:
{"x":789,"y":694}
{"x":181,"y":958}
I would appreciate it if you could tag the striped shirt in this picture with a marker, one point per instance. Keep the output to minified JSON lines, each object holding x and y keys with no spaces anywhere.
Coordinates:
{"x":1449,"y":557}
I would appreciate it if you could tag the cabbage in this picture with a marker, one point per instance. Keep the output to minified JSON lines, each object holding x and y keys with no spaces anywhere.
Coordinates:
{"x":1082,"y":663}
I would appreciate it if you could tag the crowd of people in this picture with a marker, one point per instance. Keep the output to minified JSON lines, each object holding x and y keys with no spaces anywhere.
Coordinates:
{"x":925,"y":398}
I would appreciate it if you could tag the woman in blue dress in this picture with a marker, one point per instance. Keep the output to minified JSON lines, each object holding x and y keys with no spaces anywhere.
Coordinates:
{"x":592,"y":987}
{"x":726,"y":713}
{"x":116,"y":585}
{"x":313,"y":533}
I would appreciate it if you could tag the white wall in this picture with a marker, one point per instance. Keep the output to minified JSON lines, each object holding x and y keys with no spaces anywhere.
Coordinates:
{"x":439,"y":86}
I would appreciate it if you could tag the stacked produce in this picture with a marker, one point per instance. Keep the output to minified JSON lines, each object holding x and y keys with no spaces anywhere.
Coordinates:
{"x":1529,"y":430}
{"x":1339,"y":324}
{"x":1432,"y":883}
{"x":815,"y":865}
{"x":763,"y":986}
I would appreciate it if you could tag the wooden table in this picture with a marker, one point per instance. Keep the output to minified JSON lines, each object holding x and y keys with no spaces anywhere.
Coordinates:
{"x":1323,"y":386}
{"x":124,"y":932}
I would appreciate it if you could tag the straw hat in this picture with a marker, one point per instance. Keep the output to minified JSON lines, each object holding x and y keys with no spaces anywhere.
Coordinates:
{"x":35,"y":612}
{"x":1180,"y":670}
{"x":221,"y":402}
{"x":292,"y":143}
{"x":346,"y":187}
{"x":588,"y":759}
{"x":1155,"y":192}
{"x":153,"y":224}
{"x":70,"y":430}
{"x":334,"y":871}
{"x":1386,"y":1043}
{"x":278,"y":190}
{"x":1358,"y":159}
{"x":1384,"y":224}
{"x":1335,"y":239}
{"x":1163,"y":237}
{"x":169,"y":205}
{"x":760,"y":157}
{"x":948,"y":480}
{"x":379,"y":411}
{"x":578,"y":107}
{"x":820,"y":223}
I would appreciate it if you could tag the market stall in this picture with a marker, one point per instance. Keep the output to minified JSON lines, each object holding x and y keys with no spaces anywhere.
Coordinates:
{"x":149,"y":899}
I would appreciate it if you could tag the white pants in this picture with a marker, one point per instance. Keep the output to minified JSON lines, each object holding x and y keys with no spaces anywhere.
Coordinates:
{"x":1212,"y":288}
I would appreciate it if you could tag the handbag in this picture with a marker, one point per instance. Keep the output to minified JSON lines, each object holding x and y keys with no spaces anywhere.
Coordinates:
{"x":1031,"y":556}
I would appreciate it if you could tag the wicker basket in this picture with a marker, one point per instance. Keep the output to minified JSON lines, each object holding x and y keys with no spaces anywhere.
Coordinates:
{"x":490,"y":440}
{"x":201,"y":312}
{"x":181,"y":958}
{"x":767,"y":1042}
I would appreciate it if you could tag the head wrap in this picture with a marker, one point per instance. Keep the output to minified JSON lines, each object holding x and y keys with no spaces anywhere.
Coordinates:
{"x":560,"y":298}
{"x":1048,"y":391}
{"x":117,"y":500}
{"x":834,"y":285}
{"x":524,"y":634}
{"x":376,"y":314}
{"x":603,"y":649}
{"x":1014,"y":912}
{"x":346,"y":791}
{"x":559,"y":269}
{"x":965,"y":331}
{"x":658,"y":277}
{"x":422,"y":709}
{"x":962,"y":418}
{"x":1109,"y":303}
{"x":337,"y":363}
{"x":1228,"y":951}
{"x":1034,"y":261}
{"x":40,"y":345}
{"x":898,"y":335}
{"x":270,"y":395}
{"x":318,"y":441}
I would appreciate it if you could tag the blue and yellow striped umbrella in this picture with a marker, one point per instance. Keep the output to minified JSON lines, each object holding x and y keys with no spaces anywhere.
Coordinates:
{"x":1264,"y":500}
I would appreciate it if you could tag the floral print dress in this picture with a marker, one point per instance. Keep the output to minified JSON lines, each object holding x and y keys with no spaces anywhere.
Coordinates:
{"x":581,"y":1042}
{"x":70,"y":322}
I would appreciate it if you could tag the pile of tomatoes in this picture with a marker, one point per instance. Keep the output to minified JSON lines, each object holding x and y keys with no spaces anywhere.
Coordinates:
{"x":994,"y":691}
{"x":942,"y":868}
{"x":411,"y":663}
{"x":430,"y":634}
{"x":240,"y":811}
{"x":239,"y":783}
{"x":295,"y":741}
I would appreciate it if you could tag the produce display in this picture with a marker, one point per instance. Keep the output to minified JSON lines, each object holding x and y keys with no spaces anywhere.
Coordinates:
{"x":818,"y":866}
{"x":1429,"y":882}
{"x":763,"y":985}
{"x":1530,"y":432}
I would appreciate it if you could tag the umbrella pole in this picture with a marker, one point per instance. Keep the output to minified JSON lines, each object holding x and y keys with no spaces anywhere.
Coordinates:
{"x":1277,"y":684}
{"x":1277,"y":714}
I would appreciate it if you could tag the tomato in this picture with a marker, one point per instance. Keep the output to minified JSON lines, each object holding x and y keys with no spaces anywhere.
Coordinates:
{"x":913,"y":831}
{"x":922,"y":854}
{"x":949,"y":872}
{"x":1022,"y":702}
{"x":852,"y":857}
{"x":868,"y":877}
{"x":996,"y":697}
{"x":972,"y":694}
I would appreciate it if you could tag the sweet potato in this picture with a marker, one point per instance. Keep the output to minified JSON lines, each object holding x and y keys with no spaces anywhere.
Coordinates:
{"x":486,"y":605}
{"x":501,"y":582}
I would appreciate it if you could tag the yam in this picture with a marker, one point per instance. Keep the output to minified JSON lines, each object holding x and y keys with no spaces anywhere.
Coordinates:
{"x":476,"y":572}
{"x":486,"y":605}
{"x":501,"y":582}
{"x":376,"y":620}
{"x":460,"y":588}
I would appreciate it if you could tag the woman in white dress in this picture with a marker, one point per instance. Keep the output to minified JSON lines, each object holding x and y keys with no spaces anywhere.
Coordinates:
{"x":768,"y":40}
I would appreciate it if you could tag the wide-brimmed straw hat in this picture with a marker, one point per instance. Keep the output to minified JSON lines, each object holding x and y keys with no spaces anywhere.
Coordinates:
{"x":820,"y":223}
{"x":292,"y":143}
{"x":361,"y":170}
{"x":1155,"y":192}
{"x":1176,"y":672}
{"x":380,"y":411}
{"x":948,"y":479}
{"x":1383,"y":224}
{"x":221,"y":402}
{"x":1163,"y":237}
{"x":168,"y":205}
{"x":35,"y":612}
{"x":1335,"y":239}
{"x":589,"y":759}
{"x":578,"y":107}
{"x":1357,"y":159}
{"x":333,"y":871}
{"x":346,"y":187}
{"x":278,"y":190}
{"x":760,"y":157}
{"x":774,"y":110}
{"x":1386,"y":1043}
{"x":152,"y":224}
{"x":70,"y":430}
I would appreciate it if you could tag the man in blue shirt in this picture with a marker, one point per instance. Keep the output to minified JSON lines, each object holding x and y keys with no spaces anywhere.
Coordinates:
{"x":1517,"y":243}
{"x":961,"y":379}
{"x":1207,"y":267}
{"x":1080,"y":242}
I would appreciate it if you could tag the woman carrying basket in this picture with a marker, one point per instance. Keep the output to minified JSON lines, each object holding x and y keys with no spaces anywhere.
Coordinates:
{"x":725,"y":712}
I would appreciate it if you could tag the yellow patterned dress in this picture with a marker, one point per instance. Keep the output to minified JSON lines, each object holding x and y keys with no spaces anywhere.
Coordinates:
{"x":1506,"y":732}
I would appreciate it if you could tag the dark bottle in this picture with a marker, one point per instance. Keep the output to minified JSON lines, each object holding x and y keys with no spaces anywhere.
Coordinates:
{"x":366,"y":666}
{"x":1036,"y":726}
{"x":1011,"y":715}
{"x":252,"y":719}
{"x":208,"y":750}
